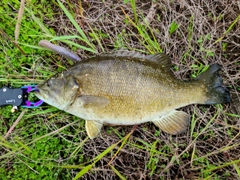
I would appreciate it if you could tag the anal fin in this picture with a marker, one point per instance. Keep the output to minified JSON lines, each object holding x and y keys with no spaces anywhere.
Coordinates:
{"x":174,"y":123}
{"x":93,"y":128}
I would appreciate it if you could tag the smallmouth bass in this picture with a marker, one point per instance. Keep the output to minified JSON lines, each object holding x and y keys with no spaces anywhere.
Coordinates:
{"x":127,"y":88}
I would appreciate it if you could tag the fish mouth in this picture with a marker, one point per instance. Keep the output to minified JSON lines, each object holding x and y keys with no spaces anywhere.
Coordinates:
{"x":39,"y":95}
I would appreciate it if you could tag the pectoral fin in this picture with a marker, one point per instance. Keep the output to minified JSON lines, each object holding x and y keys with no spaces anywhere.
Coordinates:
{"x":93,"y":101}
{"x":175,"y":122}
{"x":93,"y":128}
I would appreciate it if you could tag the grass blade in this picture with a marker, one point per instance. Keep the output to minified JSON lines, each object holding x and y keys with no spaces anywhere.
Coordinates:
{"x":41,"y":25}
{"x":19,"y":19}
{"x":100,"y":156}
{"x":237,"y":169}
{"x":59,"y":38}
{"x":79,"y":46}
{"x":75,"y":24}
{"x":83,"y":171}
{"x":229,"y":29}
{"x":117,"y":173}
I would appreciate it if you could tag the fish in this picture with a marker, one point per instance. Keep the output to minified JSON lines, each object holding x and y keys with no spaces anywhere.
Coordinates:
{"x":130,"y":88}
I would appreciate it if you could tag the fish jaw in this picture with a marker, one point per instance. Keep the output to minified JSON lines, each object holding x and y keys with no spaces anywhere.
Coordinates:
{"x":45,"y":95}
{"x":39,"y":95}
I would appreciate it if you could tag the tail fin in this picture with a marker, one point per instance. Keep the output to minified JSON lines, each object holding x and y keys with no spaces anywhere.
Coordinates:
{"x":216,"y":92}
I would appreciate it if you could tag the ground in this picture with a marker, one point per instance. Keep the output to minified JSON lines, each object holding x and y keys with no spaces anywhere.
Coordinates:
{"x":50,"y":144}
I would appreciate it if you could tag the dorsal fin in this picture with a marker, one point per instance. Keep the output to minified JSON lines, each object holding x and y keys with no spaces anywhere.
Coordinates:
{"x":160,"y":58}
{"x":125,"y":53}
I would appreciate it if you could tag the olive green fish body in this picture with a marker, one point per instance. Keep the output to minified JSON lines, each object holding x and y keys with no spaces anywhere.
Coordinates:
{"x":125,"y":88}
{"x":137,"y":92}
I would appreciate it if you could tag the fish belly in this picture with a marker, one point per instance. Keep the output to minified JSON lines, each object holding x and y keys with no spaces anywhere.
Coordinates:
{"x":115,"y":118}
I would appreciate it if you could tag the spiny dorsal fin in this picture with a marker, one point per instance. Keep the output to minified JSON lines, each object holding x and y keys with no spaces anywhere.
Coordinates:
{"x":159,"y":58}
{"x":125,"y":53}
{"x":175,"y":122}
{"x":93,"y":128}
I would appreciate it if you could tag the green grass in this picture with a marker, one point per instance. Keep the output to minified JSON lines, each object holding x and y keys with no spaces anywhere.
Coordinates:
{"x":50,"y":144}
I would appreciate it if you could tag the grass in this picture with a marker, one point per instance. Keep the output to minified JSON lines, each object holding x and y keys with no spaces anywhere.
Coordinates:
{"x":51,"y":144}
